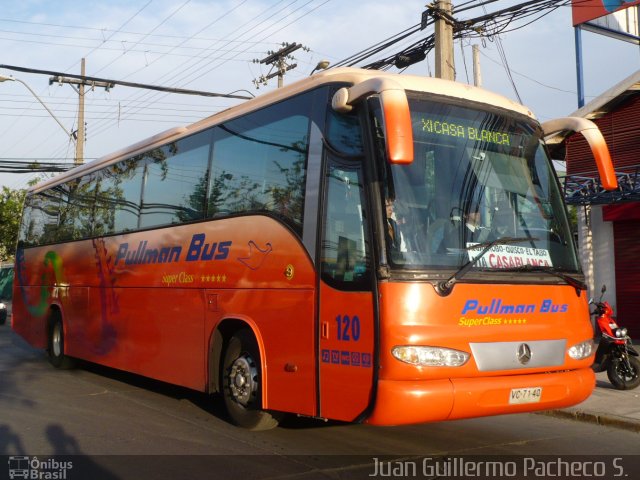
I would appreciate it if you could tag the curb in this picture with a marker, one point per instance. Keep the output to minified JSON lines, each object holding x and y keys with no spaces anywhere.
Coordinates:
{"x":597,"y":418}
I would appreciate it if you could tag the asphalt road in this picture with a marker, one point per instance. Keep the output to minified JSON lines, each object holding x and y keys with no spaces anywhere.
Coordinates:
{"x":118,"y":425}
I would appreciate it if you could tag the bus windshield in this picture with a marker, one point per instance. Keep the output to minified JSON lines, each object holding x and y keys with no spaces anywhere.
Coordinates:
{"x":478,"y":176}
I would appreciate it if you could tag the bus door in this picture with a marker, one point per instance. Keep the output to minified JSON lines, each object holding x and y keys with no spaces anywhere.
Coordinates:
{"x":346,"y":306}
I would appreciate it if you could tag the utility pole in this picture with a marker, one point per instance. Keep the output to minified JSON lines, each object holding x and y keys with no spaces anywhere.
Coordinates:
{"x":477,"y":74}
{"x":444,"y":40}
{"x":80,"y":142}
{"x":279,"y":61}
{"x":81,"y":82}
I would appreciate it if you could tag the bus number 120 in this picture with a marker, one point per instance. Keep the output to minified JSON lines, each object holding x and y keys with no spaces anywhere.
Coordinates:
{"x":348,"y":328}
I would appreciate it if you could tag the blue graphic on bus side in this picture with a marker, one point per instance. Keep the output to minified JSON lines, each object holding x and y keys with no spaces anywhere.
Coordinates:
{"x":326,"y":358}
{"x":497,"y":307}
{"x":199,"y":249}
{"x":256,"y":256}
{"x":346,"y":358}
{"x":335,"y":356}
{"x":355,"y":359}
{"x":366,"y":360}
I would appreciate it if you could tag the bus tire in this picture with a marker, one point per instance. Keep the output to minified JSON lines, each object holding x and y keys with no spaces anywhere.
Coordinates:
{"x":242,"y":383}
{"x":57,"y":358}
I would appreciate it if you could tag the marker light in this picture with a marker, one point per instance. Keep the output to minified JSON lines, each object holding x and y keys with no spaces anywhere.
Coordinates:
{"x":581,"y":350}
{"x":424,"y":356}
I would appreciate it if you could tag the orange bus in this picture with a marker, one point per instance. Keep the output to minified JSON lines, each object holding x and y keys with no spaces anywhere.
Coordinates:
{"x":358,"y":246}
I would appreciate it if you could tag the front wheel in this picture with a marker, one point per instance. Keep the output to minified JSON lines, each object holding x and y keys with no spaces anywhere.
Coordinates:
{"x":242,"y":383}
{"x":624,"y":376}
{"x":57,"y":358}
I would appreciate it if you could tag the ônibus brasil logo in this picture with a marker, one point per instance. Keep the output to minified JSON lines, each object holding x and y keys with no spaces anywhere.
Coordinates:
{"x":21,"y":466}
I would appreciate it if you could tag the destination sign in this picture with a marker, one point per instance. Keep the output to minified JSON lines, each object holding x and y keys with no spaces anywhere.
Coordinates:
{"x":466,"y":132}
{"x":510,"y":256}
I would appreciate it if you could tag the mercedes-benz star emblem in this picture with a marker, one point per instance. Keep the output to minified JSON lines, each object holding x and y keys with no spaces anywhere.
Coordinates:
{"x":524,"y":353}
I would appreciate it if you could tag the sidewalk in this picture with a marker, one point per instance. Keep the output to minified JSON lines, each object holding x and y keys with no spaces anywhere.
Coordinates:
{"x":606,"y":406}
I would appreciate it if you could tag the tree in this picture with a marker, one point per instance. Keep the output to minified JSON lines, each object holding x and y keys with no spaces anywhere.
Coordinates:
{"x":10,"y":212}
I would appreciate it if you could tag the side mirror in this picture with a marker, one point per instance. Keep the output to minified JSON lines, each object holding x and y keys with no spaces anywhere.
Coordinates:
{"x":395,"y":107}
{"x":594,"y":138}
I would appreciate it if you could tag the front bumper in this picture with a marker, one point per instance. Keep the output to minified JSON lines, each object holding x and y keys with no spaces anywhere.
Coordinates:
{"x":406,"y":402}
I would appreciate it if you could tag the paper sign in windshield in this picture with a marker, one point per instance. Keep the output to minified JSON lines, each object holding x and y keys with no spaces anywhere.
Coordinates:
{"x":510,"y":256}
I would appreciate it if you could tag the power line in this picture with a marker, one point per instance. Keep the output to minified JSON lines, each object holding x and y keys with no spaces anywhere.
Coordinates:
{"x":35,"y":165}
{"x":113,"y":83}
{"x":134,"y":50}
{"x":197,"y":67}
{"x":119,"y":42}
{"x":184,"y":68}
{"x":121,"y":27}
{"x":152,"y":30}
{"x":573,"y":92}
{"x":257,"y":29}
{"x":505,"y":62}
{"x":484,"y":26}
{"x":115,"y":32}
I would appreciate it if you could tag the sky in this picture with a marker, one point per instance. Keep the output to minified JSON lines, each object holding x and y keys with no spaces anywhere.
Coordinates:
{"x":212,"y":46}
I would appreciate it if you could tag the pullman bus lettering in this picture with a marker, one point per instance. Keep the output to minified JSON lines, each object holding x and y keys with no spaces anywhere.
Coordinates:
{"x":496,"y":307}
{"x":198,"y":249}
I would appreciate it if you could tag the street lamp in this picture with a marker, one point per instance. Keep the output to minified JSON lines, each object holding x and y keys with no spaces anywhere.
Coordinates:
{"x":4,"y":78}
{"x":322,"y":65}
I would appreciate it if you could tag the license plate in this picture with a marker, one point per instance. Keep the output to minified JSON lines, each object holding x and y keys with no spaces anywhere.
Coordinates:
{"x":525,"y":395}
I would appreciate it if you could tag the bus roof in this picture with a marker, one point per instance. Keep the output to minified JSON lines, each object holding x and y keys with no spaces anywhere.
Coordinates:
{"x":336,"y":75}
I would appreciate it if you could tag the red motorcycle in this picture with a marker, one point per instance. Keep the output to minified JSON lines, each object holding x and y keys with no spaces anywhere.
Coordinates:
{"x":615,"y":352}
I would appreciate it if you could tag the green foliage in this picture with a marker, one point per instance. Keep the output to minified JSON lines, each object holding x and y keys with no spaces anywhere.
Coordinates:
{"x":10,"y":211}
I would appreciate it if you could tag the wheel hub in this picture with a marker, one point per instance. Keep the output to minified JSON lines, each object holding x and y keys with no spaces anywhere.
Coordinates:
{"x":56,"y":341}
{"x":243,"y":378}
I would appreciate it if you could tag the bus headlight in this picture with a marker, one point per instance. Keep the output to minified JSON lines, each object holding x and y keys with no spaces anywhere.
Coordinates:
{"x":424,"y":356}
{"x":2,"y":306}
{"x":581,"y":350}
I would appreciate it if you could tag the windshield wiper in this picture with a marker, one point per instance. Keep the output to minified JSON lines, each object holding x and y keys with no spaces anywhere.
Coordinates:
{"x":444,"y":288}
{"x":574,"y":282}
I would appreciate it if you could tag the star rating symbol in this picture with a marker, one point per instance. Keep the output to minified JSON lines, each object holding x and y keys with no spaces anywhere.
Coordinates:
{"x":517,"y":321}
{"x":213,"y":278}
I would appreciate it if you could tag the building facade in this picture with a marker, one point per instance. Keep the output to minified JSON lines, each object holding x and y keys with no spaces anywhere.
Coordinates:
{"x":609,"y":222}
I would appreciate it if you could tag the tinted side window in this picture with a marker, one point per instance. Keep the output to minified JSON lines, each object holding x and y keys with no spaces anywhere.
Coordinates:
{"x":102,"y":210}
{"x":175,"y":181}
{"x":259,"y":163}
{"x":118,"y":198}
{"x":77,"y":199}
{"x":40,"y":218}
{"x":345,"y":260}
{"x":343,"y":132}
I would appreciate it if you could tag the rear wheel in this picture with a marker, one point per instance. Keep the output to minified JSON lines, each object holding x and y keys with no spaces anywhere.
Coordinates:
{"x":242,"y":383}
{"x":57,"y":358}
{"x":624,"y":376}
